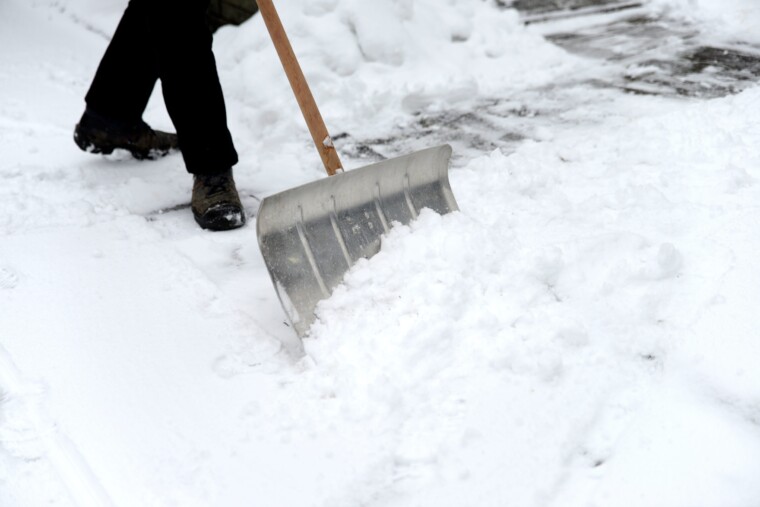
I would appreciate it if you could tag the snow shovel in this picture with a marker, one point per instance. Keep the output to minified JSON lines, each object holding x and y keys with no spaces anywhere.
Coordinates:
{"x":310,"y":236}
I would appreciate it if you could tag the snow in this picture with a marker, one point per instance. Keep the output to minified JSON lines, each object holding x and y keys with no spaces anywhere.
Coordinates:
{"x":736,"y":19}
{"x":581,"y":333}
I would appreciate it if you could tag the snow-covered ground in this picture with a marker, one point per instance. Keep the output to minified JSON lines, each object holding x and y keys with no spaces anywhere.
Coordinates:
{"x":734,"y":19}
{"x":582,"y":333}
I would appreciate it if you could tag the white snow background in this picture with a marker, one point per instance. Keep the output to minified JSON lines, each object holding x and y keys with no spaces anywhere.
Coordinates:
{"x":582,"y":333}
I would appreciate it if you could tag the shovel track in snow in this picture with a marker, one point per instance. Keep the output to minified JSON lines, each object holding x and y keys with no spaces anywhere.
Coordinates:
{"x":644,"y":53}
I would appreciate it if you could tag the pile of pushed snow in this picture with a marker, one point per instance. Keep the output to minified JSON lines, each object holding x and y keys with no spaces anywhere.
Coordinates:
{"x":736,"y":19}
{"x":387,"y":44}
{"x":585,"y":319}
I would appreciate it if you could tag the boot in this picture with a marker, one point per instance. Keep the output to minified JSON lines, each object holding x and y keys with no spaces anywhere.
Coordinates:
{"x":97,"y":134}
{"x":216,"y":205}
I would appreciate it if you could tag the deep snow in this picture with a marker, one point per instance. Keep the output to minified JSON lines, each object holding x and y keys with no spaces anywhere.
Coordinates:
{"x":581,"y":333}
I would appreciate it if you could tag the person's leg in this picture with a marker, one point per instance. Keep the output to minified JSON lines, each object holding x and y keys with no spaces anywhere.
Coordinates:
{"x":190,"y":84}
{"x":194,"y":100}
{"x":167,"y":39}
{"x":120,"y":91}
{"x":128,"y":71}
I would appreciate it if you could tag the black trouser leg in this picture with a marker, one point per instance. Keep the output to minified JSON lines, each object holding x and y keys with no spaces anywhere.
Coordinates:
{"x":168,"y":39}
{"x":128,"y":71}
{"x":192,"y":92}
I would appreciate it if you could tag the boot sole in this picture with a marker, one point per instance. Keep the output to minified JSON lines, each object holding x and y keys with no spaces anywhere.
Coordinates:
{"x":91,"y":144}
{"x":221,"y":220}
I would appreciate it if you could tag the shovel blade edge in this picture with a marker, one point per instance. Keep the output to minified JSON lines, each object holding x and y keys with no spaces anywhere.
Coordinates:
{"x":311,"y":235}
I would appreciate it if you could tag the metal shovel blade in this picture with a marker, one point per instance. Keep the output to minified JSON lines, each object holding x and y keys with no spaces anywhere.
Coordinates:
{"x":310,"y":236}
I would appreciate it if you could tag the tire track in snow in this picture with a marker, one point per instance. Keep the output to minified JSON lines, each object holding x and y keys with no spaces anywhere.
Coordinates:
{"x":84,"y":488}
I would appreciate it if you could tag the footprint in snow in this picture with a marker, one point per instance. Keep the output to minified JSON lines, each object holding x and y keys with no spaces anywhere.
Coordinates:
{"x":8,"y":278}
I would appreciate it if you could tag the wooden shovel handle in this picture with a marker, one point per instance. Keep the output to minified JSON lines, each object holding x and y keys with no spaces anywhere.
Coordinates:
{"x":314,"y":121}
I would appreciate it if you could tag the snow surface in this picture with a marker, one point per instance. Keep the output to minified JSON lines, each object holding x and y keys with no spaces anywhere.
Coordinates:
{"x":582,"y":333}
{"x":736,"y":19}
